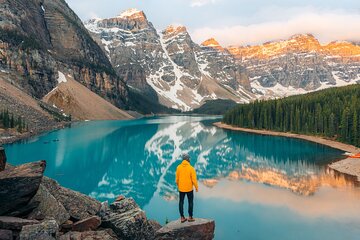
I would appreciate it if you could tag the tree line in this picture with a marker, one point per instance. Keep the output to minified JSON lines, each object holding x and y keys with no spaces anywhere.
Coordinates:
{"x":333,"y":113}
{"x":9,"y":120}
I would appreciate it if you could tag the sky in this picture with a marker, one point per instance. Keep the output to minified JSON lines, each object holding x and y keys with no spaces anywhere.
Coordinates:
{"x":240,"y":22}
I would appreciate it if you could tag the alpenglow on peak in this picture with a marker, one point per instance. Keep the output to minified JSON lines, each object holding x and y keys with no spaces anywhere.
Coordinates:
{"x":175,"y":29}
{"x":211,"y":42}
{"x":131,"y":13}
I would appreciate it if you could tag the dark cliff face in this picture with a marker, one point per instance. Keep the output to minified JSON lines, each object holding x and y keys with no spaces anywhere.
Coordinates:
{"x":38,"y":38}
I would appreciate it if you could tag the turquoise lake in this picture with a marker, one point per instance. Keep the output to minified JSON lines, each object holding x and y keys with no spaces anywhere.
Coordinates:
{"x":255,"y":187}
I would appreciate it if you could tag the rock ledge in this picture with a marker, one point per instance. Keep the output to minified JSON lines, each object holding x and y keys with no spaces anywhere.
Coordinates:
{"x":200,"y":229}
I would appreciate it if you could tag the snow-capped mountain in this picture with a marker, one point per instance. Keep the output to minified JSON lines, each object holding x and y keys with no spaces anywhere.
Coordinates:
{"x":167,"y":66}
{"x":298,"y":65}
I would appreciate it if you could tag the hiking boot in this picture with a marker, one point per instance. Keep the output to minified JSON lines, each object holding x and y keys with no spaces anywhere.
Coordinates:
{"x":183,"y":219}
{"x":191,"y":219}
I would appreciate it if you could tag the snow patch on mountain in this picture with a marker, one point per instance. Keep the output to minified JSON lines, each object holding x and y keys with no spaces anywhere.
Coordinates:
{"x":129,"y":13}
{"x":61,"y":78}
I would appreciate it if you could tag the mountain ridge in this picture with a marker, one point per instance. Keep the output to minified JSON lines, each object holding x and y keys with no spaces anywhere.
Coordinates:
{"x":241,"y":74}
{"x":181,"y":73}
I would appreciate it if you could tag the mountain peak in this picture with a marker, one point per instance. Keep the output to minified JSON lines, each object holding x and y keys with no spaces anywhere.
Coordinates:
{"x":131,"y":13}
{"x":211,"y":42}
{"x":175,"y":29}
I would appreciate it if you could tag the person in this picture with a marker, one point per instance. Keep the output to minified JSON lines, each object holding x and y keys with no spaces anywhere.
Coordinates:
{"x":186,"y":181}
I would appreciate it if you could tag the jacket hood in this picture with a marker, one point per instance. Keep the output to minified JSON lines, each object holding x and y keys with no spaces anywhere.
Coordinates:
{"x":185,"y":163}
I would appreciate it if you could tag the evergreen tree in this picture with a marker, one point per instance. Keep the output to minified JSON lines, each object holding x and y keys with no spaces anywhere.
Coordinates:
{"x":332,"y":113}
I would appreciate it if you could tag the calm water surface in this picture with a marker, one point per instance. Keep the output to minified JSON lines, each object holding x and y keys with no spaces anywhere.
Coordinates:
{"x":255,"y":187}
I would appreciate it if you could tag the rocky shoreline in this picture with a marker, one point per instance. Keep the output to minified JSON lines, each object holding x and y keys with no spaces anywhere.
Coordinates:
{"x":348,"y":166}
{"x":33,"y":206}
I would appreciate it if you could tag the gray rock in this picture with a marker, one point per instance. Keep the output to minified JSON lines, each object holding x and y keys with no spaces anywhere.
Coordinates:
{"x":300,"y":62}
{"x":55,"y":40}
{"x":104,"y":209}
{"x":48,"y":208}
{"x":128,"y":221}
{"x":106,"y":234}
{"x":88,"y":224}
{"x":154,"y":224}
{"x":46,"y":230}
{"x":200,"y":229}
{"x":14,"y":223}
{"x":66,"y":226}
{"x":6,"y":234}
{"x":18,"y":185}
{"x":78,"y":205}
{"x":24,"y":211}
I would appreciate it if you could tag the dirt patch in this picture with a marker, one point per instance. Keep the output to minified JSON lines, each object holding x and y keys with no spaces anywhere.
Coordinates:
{"x":75,"y":99}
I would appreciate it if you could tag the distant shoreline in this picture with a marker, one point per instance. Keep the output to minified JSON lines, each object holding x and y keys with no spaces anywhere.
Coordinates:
{"x":350,"y":166}
{"x":33,"y":133}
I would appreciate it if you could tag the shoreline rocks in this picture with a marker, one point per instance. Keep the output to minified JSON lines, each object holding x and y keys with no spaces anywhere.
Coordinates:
{"x":106,"y":234}
{"x":47,"y":211}
{"x":14,"y":223}
{"x":47,"y":230}
{"x":78,"y":205}
{"x":88,"y":224}
{"x":48,"y":207}
{"x":199,"y":229}
{"x":128,"y":221}
{"x":19,"y":185}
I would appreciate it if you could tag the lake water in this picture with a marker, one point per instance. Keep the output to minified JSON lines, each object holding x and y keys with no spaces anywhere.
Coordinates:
{"x":255,"y":187}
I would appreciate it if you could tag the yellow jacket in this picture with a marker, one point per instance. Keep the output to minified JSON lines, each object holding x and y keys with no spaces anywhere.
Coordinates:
{"x":186,"y":177}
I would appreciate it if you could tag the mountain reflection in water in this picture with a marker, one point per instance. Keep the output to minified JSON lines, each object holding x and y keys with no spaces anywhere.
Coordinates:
{"x":239,"y":173}
{"x":216,"y":154}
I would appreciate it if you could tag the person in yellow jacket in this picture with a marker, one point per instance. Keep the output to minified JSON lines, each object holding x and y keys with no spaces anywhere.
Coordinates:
{"x":186,"y":181}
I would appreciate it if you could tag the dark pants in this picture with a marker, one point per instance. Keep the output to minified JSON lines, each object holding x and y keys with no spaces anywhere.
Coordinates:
{"x":190,"y":197}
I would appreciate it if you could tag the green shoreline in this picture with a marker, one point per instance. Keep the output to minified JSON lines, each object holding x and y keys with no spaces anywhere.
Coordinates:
{"x":349,"y":166}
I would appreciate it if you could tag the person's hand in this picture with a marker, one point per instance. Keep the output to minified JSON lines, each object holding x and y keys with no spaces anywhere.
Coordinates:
{"x":197,"y":190}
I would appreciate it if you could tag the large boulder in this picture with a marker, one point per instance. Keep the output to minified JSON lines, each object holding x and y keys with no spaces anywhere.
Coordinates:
{"x":128,"y":221}
{"x":46,"y":230}
{"x":106,"y":234}
{"x":200,"y":229}
{"x":14,"y":223}
{"x":18,"y":185}
{"x":78,"y":205}
{"x":48,"y":207}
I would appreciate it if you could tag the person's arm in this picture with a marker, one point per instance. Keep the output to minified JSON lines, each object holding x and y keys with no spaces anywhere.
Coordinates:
{"x":177,"y":177}
{"x":194,"y":180}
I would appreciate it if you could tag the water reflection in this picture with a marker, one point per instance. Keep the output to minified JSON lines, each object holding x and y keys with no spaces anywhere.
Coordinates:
{"x":142,"y":160}
{"x":247,"y":182}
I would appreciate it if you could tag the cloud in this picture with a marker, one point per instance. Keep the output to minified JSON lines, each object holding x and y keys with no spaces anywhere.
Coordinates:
{"x":200,"y":3}
{"x":327,"y":26}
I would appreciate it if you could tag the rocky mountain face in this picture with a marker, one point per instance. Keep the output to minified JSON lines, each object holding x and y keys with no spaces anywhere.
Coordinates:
{"x":40,"y":38}
{"x":298,"y":65}
{"x":128,"y":62}
{"x":167,"y":66}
